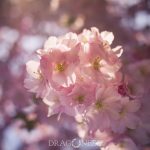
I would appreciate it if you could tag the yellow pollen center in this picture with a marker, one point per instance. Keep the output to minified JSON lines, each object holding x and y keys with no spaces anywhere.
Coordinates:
{"x":80,"y":98}
{"x":60,"y":67}
{"x":121,"y":145}
{"x":84,"y":40}
{"x":98,"y":105}
{"x":96,"y":63}
{"x":122,"y":113}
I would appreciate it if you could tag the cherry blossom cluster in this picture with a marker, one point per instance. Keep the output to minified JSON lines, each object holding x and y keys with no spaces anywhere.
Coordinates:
{"x":79,"y":75}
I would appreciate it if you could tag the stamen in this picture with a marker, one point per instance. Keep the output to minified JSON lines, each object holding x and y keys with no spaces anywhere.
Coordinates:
{"x":80,"y":98}
{"x":84,"y":40}
{"x":60,"y":67}
{"x":122,"y":113}
{"x":121,"y":145}
{"x":96,"y":63}
{"x":99,"y":105}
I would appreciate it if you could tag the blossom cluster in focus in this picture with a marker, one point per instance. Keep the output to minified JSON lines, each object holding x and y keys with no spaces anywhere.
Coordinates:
{"x":79,"y":75}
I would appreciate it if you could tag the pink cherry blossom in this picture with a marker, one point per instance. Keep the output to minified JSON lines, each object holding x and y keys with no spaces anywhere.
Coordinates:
{"x":52,"y":100}
{"x":88,"y":36}
{"x":79,"y":75}
{"x":59,"y":67}
{"x":78,"y":97}
{"x":36,"y":83}
{"x":127,"y":116}
{"x":99,"y":63}
{"x":66,"y":42}
{"x":104,"y":109}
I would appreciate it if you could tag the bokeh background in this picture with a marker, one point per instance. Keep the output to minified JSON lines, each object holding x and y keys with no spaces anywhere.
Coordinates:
{"x":26,"y":24}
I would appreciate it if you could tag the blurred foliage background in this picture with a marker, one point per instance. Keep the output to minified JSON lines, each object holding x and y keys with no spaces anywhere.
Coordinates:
{"x":26,"y":24}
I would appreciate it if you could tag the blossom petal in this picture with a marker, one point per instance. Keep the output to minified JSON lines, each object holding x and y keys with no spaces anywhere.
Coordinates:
{"x":32,"y":68}
{"x":107,"y":36}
